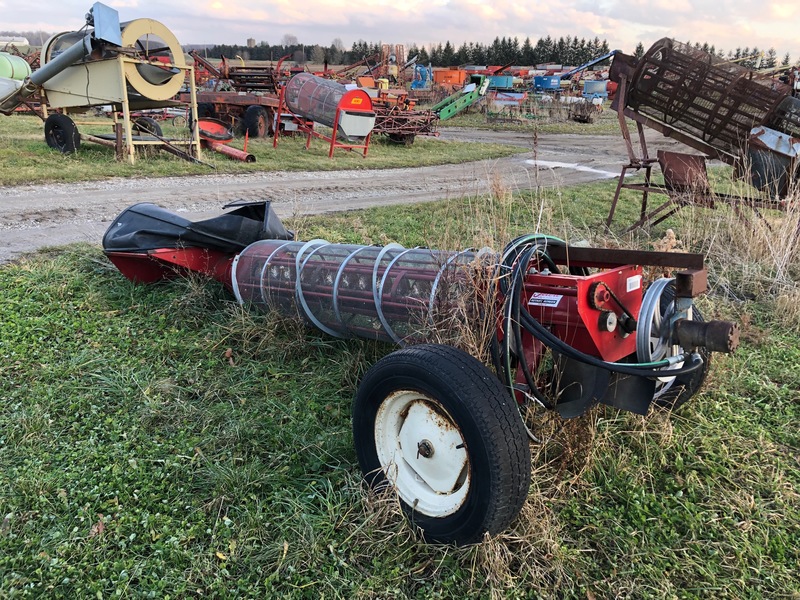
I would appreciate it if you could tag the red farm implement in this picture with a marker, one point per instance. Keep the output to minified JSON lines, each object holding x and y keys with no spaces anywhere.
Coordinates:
{"x":569,"y":328}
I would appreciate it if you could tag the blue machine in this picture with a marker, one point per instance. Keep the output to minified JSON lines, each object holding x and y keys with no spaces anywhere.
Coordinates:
{"x":423,"y":77}
{"x":547,"y":83}
{"x":597,"y":88}
{"x":501,"y":82}
{"x":591,"y":63}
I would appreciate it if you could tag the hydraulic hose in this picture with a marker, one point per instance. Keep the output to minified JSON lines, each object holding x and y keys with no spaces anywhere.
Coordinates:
{"x":513,"y":266}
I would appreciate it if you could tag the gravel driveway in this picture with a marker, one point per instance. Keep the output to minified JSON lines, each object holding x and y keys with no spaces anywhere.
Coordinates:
{"x":35,"y":216}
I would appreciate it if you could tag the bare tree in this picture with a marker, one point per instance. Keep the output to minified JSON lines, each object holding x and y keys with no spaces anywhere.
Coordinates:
{"x":317,"y":54}
{"x":289,"y":40}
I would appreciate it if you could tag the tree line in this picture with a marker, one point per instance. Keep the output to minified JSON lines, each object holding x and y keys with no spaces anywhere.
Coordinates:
{"x":502,"y":51}
{"x":567,"y":50}
{"x":750,"y":58}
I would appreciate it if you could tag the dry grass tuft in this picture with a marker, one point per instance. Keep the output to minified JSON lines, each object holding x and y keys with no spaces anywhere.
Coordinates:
{"x":750,"y":254}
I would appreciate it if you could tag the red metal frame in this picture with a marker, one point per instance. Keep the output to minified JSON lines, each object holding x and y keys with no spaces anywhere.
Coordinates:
{"x":166,"y":263}
{"x":571,"y":308}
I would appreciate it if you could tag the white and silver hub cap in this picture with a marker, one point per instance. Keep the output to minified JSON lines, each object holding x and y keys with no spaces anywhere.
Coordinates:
{"x":422,"y":453}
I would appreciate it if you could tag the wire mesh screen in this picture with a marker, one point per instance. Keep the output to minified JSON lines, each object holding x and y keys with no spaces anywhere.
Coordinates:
{"x":314,"y":98}
{"x":388,"y":293}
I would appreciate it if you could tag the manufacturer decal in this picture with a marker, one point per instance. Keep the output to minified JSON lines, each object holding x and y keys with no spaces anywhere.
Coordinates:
{"x":540,"y":299}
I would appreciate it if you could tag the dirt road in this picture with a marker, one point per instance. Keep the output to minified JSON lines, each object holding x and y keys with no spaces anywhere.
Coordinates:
{"x":36,"y":216}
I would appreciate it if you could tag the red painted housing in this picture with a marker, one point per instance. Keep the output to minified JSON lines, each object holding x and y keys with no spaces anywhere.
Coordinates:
{"x":575,"y":308}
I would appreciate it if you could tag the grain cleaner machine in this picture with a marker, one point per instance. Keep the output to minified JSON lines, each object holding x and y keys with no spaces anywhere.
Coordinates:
{"x":570,"y":327}
{"x":108,"y":63}
{"x":308,"y":99}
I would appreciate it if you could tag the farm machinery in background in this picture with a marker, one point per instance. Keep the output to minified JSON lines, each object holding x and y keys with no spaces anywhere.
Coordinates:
{"x":251,"y":101}
{"x":248,"y":96}
{"x":403,"y":126}
{"x":333,"y":108}
{"x":348,"y":112}
{"x":568,"y":327}
{"x":245,"y":96}
{"x":108,"y":63}
{"x":721,"y":109}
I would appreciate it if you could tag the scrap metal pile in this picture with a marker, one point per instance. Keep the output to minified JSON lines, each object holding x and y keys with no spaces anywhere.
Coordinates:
{"x":573,"y":327}
{"x":724,"y":110}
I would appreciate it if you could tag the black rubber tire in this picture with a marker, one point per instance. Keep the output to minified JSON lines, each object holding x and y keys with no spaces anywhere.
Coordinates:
{"x":485,"y":415}
{"x":204,"y":110}
{"x":61,"y":133}
{"x":406,"y":139}
{"x":146,"y":126}
{"x":685,"y":386}
{"x":255,"y":121}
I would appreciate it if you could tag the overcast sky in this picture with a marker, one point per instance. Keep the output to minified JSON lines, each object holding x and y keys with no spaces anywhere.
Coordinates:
{"x":727,"y":25}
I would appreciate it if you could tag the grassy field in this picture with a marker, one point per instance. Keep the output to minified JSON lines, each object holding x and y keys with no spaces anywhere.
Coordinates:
{"x":26,"y":158}
{"x":552,"y":118}
{"x":161,"y":442}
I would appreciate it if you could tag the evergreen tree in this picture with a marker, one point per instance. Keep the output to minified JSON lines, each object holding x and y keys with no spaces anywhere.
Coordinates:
{"x":479,"y":54}
{"x":516,"y":52}
{"x":526,"y":52}
{"x":559,"y":53}
{"x":463,"y":56}
{"x":493,"y":51}
{"x":745,"y":56}
{"x":448,"y":57}
{"x":770,"y":59}
{"x":787,"y":60}
{"x":575,"y":57}
{"x":436,"y":56}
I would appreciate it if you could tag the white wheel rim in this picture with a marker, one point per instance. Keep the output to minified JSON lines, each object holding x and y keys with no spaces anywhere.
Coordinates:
{"x":422,"y":453}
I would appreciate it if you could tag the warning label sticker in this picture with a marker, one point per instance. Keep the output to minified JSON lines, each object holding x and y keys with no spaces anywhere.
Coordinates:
{"x":540,"y":299}
{"x":634,"y":283}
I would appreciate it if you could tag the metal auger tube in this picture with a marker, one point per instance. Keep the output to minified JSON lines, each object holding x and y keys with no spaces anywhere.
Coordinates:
{"x":388,"y":293}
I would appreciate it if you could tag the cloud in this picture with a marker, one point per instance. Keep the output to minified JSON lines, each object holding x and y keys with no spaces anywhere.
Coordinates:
{"x":422,"y":22}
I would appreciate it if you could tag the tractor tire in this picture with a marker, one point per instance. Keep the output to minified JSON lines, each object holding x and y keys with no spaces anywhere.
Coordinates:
{"x":146,"y":126}
{"x":436,"y":427}
{"x":61,"y":134}
{"x":406,"y":139}
{"x":205,"y":109}
{"x":255,"y":121}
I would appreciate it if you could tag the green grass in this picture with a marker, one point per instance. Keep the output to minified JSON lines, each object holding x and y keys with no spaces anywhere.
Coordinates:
{"x":26,"y":158}
{"x":550,"y":119}
{"x":157,"y":441}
